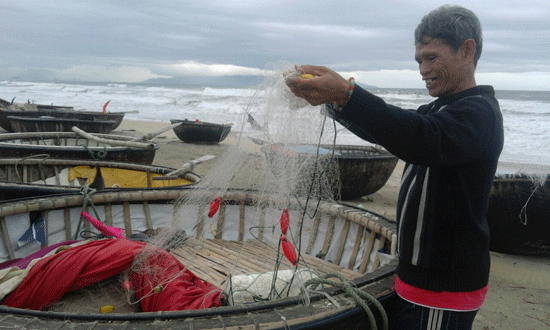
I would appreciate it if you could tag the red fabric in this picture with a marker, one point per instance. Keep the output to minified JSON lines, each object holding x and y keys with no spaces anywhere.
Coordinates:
{"x":181,"y":289}
{"x":456,"y":301}
{"x":50,"y":278}
{"x":105,"y":106}
{"x":104,"y":229}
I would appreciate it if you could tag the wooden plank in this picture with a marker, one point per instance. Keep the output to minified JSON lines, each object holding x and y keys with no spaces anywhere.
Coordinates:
{"x":314,"y":232}
{"x":261,"y":222}
{"x":221,"y":219}
{"x":214,"y":263}
{"x":376,"y":262}
{"x":328,"y":236}
{"x":147,"y":214}
{"x":342,"y":245}
{"x":87,"y":225}
{"x":356,"y":246}
{"x":200,"y":220}
{"x":266,"y":256}
{"x":149,"y":178}
{"x":127,"y":220}
{"x":57,"y":176}
{"x":368,"y":250}
{"x":67,"y":219}
{"x":232,"y":255}
{"x":259,"y":258}
{"x":242,"y":214}
{"x":108,"y":208}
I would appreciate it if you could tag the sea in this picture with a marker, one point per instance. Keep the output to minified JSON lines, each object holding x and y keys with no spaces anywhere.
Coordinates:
{"x":526,"y":113}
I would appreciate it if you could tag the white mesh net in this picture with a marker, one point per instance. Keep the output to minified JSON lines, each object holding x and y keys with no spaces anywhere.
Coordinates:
{"x":281,"y":161}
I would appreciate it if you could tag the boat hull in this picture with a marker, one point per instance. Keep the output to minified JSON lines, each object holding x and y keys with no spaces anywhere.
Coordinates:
{"x":362,"y":170}
{"x":200,"y":132}
{"x":117,"y":117}
{"x":290,"y":312}
{"x":65,"y":145}
{"x":52,"y":124}
{"x":519,"y":215}
{"x":21,"y":178}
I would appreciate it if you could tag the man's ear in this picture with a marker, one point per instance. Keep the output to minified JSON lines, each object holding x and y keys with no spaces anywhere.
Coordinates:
{"x":469,"y":49}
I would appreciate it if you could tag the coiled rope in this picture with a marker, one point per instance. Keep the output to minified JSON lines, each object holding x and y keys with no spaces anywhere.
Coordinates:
{"x":359,"y":296}
{"x":88,"y":193}
{"x":101,"y":154}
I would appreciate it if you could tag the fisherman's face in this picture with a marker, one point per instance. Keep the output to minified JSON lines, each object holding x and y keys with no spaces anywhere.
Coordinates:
{"x":441,"y":67}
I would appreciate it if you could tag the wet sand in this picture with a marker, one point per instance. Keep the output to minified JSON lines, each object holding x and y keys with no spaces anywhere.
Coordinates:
{"x":519,"y":287}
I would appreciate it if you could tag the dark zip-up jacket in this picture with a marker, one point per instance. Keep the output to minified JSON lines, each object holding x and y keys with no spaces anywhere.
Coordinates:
{"x":451,"y":149}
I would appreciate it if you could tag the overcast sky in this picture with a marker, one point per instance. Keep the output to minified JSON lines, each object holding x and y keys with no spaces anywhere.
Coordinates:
{"x":134,"y":40}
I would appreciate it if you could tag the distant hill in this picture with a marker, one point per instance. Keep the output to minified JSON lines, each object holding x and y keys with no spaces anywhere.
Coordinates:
{"x":217,"y":81}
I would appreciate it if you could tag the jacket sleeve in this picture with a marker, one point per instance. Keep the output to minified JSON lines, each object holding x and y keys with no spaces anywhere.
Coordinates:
{"x":458,"y":133}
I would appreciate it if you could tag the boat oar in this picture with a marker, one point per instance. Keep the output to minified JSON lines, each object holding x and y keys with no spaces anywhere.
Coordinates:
{"x":130,"y":144}
{"x":150,"y":136}
{"x":186,"y":167}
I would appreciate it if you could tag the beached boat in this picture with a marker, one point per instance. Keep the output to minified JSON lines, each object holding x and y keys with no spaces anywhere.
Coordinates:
{"x":519,"y":210}
{"x":241,"y":239}
{"x":66,"y":145}
{"x":32,"y":106}
{"x":94,"y":121}
{"x":28,"y":177}
{"x":195,"y":131}
{"x":363,"y":170}
{"x":52,"y":124}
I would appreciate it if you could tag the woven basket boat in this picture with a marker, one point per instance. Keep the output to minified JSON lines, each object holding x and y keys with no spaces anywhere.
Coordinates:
{"x":363,"y":170}
{"x":337,"y":239}
{"x":191,"y":131}
{"x":69,"y":145}
{"x":28,"y":177}
{"x":519,"y":213}
{"x":52,"y":124}
{"x":66,"y":119}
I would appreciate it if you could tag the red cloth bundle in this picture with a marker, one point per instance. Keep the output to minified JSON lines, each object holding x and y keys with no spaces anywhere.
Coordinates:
{"x":50,"y":278}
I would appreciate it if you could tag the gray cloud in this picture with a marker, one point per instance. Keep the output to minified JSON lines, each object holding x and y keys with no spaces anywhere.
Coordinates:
{"x":53,"y":39}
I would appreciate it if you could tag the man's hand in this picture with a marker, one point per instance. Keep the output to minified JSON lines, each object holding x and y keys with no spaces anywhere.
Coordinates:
{"x":325,"y":85}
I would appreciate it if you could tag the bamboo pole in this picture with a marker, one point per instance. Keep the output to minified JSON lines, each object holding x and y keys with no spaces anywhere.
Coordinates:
{"x":130,"y":144}
{"x":150,"y":136}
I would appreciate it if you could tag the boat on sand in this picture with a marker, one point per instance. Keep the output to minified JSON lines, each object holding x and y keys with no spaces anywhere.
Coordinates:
{"x":349,"y":256}
{"x":70,"y":145}
{"x":39,"y":176}
{"x":196,"y":131}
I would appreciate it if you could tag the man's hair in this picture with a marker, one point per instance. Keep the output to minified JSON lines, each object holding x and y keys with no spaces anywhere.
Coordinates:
{"x":453,"y":25}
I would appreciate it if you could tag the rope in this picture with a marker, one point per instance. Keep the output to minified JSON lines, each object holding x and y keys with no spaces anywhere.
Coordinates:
{"x":88,"y":193}
{"x":359,"y":296}
{"x":101,"y":155}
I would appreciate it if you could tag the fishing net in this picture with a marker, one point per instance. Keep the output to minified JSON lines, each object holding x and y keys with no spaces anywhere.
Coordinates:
{"x":537,"y":172}
{"x":279,"y":157}
{"x":523,"y":183}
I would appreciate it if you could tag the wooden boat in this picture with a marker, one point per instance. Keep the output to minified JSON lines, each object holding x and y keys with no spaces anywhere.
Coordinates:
{"x":28,"y":177}
{"x":195,"y":131}
{"x":52,"y":124}
{"x":519,"y":211}
{"x":336,"y":239}
{"x":109,"y":120}
{"x":66,"y":145}
{"x":31,"y":106}
{"x":363,"y":170}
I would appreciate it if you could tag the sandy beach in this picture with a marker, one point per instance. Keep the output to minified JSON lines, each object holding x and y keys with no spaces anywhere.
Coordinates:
{"x":519,"y":288}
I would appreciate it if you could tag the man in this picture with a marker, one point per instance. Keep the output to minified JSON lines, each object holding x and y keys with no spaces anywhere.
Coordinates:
{"x":451,"y":149}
